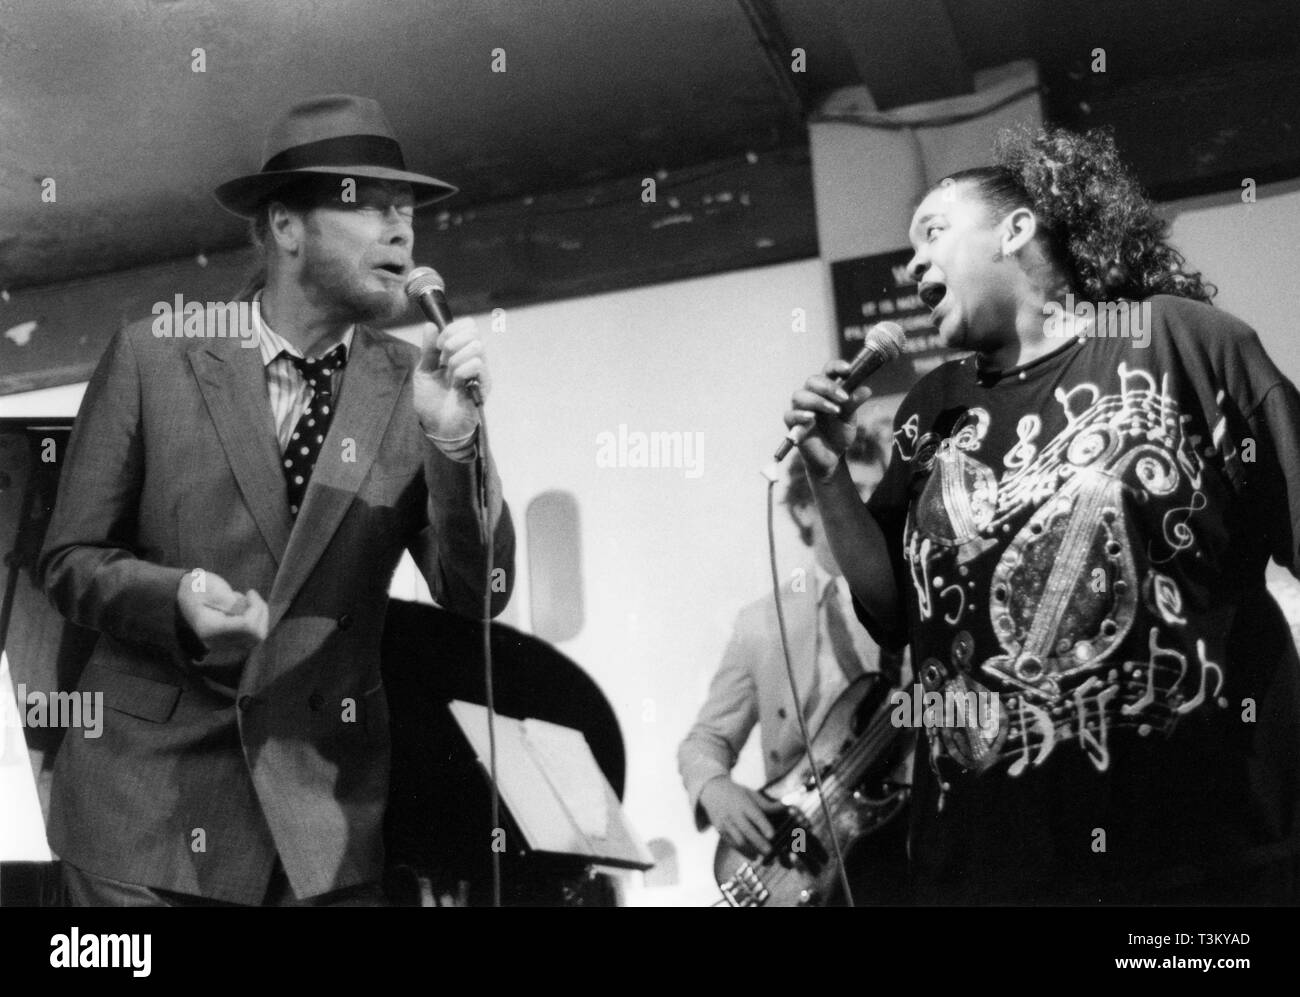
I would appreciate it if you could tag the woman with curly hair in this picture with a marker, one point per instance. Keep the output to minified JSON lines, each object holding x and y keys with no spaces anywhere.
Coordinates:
{"x":1074,"y":528}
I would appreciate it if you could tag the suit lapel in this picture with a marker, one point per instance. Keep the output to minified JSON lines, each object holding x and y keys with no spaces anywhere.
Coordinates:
{"x":233,"y":384}
{"x":372,"y":383}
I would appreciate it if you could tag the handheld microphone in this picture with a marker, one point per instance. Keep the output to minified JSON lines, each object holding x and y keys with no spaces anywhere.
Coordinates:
{"x":427,"y":289}
{"x":884,"y":342}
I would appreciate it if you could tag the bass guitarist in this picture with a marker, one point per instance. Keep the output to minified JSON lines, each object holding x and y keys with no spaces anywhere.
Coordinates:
{"x":829,"y":649}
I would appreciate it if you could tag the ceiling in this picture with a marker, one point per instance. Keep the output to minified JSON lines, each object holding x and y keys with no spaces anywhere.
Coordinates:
{"x":102,"y":97}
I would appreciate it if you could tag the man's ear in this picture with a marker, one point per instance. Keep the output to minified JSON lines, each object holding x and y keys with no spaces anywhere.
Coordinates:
{"x":285,"y":227}
{"x":1017,"y":231}
{"x":804,"y":515}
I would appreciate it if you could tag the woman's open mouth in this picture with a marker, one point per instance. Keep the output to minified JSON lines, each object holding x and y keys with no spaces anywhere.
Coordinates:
{"x":932,"y":294}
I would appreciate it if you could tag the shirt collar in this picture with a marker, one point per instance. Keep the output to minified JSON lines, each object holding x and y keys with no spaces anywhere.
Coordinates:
{"x":272,"y":344}
{"x":824,"y":579}
{"x":986,"y":374}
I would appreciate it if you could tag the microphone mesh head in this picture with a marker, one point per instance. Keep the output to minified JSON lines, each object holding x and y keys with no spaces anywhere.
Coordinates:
{"x":888,"y":337}
{"x":423,"y":279}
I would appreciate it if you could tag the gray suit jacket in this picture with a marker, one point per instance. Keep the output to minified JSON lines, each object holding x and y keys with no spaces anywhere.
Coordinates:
{"x":204,"y":772}
{"x":750,"y":687}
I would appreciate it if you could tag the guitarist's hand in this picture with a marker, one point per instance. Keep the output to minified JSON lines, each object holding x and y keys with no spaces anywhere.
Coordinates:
{"x":739,"y":814}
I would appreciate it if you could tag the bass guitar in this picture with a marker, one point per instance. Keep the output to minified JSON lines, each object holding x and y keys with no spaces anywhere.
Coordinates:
{"x":858,"y":752}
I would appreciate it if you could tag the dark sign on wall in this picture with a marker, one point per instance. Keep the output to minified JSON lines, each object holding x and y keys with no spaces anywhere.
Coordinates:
{"x":872,"y":289}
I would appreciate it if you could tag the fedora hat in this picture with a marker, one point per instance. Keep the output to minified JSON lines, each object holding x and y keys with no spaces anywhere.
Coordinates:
{"x":335,"y":134}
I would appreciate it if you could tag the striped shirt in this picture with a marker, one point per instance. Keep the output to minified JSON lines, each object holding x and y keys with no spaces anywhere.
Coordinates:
{"x":290,"y":394}
{"x":288,"y":389}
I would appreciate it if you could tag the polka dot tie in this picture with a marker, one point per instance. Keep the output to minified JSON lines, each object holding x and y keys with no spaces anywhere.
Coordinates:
{"x":305,"y":443}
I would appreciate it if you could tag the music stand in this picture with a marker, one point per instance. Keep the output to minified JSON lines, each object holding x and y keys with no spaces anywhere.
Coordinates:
{"x":554,"y":790}
{"x":22,"y":828}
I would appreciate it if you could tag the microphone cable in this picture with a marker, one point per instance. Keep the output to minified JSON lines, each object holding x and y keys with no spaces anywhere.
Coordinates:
{"x":771,"y":475}
{"x":485,"y":535}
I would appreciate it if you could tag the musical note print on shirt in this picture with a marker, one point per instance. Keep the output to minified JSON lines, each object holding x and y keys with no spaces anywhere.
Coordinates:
{"x":1073,"y":555}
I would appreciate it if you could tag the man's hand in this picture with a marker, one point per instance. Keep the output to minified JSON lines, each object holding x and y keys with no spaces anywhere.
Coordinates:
{"x":825,"y":407}
{"x":447,"y":360}
{"x":220,"y":617}
{"x":740,"y":815}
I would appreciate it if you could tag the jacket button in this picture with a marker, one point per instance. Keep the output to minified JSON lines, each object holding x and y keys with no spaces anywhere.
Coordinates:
{"x":775,"y":754}
{"x":315,"y":701}
{"x":245,"y":703}
{"x":781,"y":713}
{"x":345,"y":621}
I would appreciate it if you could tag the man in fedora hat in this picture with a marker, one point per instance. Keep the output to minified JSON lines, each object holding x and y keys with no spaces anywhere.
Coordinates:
{"x":229,"y":520}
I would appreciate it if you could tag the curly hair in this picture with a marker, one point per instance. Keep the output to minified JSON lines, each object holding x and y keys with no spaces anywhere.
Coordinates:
{"x":1098,"y":224}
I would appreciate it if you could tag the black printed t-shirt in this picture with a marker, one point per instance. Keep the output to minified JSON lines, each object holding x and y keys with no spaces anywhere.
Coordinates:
{"x":1086,"y":537}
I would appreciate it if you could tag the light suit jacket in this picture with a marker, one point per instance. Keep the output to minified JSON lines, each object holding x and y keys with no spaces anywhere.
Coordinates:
{"x":205,"y":771}
{"x":750,"y":687}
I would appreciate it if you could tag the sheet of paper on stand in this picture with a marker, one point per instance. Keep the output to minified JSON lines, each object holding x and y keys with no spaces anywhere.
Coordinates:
{"x":22,"y":830}
{"x":549,"y":783}
{"x":572,"y":772}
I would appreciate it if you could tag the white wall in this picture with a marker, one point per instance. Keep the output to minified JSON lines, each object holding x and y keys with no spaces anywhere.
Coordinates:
{"x":1250,"y":252}
{"x":59,"y":402}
